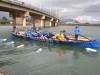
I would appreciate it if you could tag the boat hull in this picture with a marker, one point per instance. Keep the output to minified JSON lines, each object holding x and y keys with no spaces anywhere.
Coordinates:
{"x":90,"y":43}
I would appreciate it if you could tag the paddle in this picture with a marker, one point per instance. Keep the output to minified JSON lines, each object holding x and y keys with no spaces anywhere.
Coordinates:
{"x":70,"y":34}
{"x":89,"y":39}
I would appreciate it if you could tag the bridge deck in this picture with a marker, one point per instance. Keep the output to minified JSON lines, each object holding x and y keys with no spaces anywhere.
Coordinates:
{"x":5,"y":72}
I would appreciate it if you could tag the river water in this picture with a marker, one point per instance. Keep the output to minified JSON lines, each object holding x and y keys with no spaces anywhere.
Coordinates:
{"x":54,"y":59}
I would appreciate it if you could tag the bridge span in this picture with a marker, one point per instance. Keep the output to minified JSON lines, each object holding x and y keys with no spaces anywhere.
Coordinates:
{"x":20,"y":9}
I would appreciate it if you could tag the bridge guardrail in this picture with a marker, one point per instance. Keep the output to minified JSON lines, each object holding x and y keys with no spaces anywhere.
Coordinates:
{"x":29,"y":5}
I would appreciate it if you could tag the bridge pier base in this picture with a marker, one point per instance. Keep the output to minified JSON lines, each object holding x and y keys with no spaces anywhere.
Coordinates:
{"x":14,"y":21}
{"x":24,"y":22}
{"x":51,"y":20}
{"x":33,"y":22}
{"x":42,"y":23}
{"x":24,"y":15}
{"x":56,"y":23}
{"x":50,"y":23}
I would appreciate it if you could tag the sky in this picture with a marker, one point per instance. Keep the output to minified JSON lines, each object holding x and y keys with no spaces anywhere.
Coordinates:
{"x":80,"y":10}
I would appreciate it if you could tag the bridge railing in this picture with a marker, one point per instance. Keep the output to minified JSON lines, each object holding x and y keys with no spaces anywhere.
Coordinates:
{"x":30,"y":6}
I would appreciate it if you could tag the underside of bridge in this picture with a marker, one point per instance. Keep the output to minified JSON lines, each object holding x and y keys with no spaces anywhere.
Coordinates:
{"x":18,"y":10}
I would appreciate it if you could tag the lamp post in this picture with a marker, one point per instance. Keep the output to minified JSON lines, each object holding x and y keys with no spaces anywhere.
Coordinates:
{"x":56,"y":11}
{"x":40,"y":4}
{"x":50,"y":6}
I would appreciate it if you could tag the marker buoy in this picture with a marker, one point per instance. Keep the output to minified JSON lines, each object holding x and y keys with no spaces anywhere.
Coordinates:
{"x":39,"y":50}
{"x":10,"y":43}
{"x":91,"y":50}
{"x":20,"y":46}
{"x":2,"y":40}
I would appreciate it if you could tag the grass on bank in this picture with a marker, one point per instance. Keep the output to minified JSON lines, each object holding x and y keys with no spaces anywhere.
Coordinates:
{"x":5,"y":22}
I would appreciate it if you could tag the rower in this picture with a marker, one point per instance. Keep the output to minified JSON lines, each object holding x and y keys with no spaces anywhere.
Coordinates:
{"x":54,"y":33}
{"x":50,"y":35}
{"x":65,"y":35}
{"x":45,"y":33}
{"x":16,"y":31}
{"x":59,"y":36}
{"x":40,"y":35}
{"x":26,"y":32}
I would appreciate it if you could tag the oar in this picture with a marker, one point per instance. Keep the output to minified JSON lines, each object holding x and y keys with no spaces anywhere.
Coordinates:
{"x":89,"y":39}
{"x":85,"y":37}
{"x":70,"y":34}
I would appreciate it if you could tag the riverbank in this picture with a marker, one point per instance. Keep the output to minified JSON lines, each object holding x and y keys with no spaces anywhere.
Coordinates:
{"x":63,"y":24}
{"x":12,"y":24}
{"x":58,"y":24}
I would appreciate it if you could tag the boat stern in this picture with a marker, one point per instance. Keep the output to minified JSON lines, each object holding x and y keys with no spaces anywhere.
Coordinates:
{"x":95,"y":43}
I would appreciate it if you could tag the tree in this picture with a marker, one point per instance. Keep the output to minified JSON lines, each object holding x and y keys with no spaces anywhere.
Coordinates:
{"x":4,"y":18}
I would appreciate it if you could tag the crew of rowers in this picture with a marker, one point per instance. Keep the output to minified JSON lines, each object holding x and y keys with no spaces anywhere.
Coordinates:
{"x":45,"y":34}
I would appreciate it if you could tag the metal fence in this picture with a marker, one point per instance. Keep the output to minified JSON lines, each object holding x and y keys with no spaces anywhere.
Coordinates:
{"x":29,"y":6}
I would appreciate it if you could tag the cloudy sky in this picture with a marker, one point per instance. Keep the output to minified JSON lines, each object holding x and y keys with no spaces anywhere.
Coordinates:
{"x":81,"y":10}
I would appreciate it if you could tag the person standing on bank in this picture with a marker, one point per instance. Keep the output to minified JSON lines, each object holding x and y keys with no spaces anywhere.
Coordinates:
{"x":77,"y":31}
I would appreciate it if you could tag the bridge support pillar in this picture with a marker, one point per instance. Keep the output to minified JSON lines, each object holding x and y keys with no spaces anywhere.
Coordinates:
{"x":51,"y":22}
{"x":33,"y":22}
{"x":25,"y":14}
{"x":55,"y":23}
{"x":14,"y":20}
{"x":24,"y":22}
{"x":43,"y":21}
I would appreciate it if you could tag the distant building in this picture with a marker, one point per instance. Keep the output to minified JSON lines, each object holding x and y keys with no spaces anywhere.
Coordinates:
{"x":71,"y":21}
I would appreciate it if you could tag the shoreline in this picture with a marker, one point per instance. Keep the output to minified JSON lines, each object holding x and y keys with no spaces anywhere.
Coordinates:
{"x":12,"y":25}
{"x":63,"y":24}
{"x":57,"y":25}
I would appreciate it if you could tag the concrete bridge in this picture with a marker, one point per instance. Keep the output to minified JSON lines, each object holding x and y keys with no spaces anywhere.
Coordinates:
{"x":23,"y":10}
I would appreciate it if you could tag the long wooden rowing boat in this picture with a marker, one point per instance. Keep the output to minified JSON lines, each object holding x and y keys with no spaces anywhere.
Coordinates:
{"x":81,"y":42}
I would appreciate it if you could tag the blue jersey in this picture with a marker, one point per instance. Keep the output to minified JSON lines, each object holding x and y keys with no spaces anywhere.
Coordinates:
{"x":45,"y":32}
{"x":40,"y":34}
{"x":77,"y":30}
{"x":54,"y":33}
{"x":30,"y":33}
{"x":65,"y":35}
{"x":33,"y":33}
{"x":17,"y":30}
{"x":50,"y":34}
{"x":36,"y":31}
{"x":26,"y":32}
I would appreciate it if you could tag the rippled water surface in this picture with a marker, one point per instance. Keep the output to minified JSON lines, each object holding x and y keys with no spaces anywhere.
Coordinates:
{"x":54,"y":59}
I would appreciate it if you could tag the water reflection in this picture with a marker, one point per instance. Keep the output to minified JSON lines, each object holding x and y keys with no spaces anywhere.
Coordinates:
{"x":75,"y":55}
{"x":7,"y":62}
{"x":60,"y":51}
{"x":12,"y":53}
{"x":63,"y":49}
{"x":54,"y":58}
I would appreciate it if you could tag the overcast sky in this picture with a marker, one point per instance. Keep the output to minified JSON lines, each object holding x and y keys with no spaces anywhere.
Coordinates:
{"x":81,"y":10}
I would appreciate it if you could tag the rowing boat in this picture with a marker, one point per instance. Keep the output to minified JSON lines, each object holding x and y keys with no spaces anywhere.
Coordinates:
{"x":85,"y":43}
